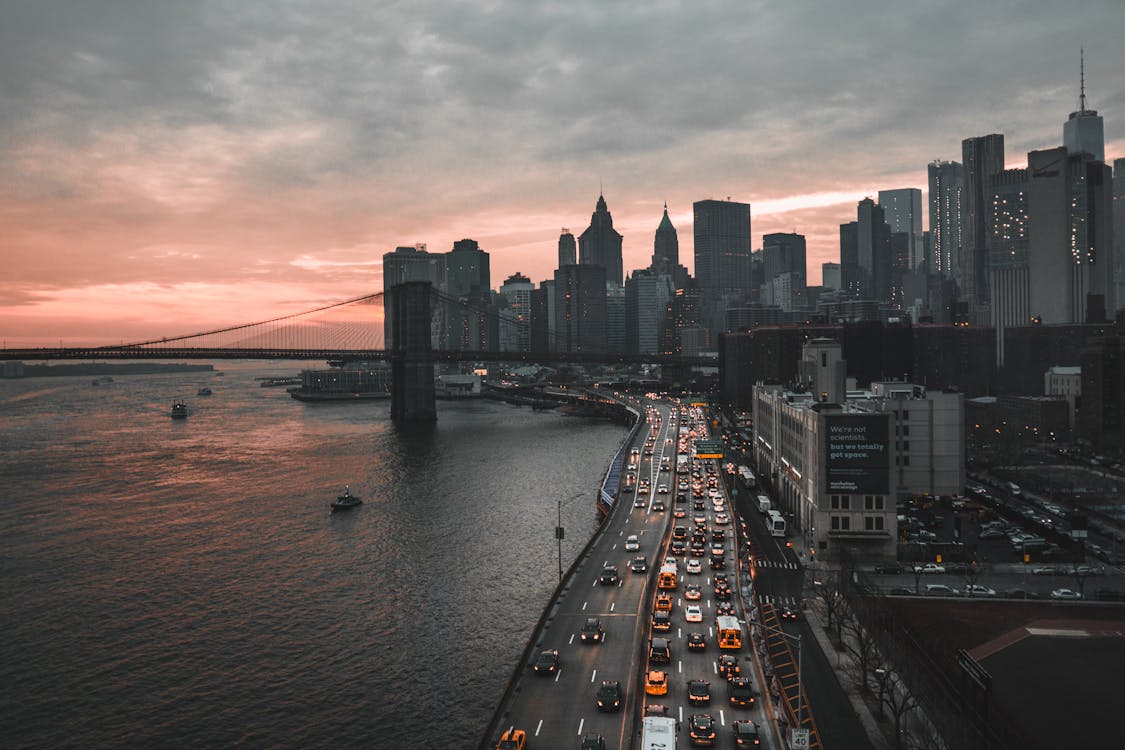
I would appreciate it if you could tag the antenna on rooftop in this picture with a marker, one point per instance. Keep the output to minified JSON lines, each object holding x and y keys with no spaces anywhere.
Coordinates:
{"x":1082,"y":78}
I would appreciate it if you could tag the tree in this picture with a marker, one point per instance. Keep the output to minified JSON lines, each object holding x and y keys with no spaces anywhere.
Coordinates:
{"x":898,"y":701}
{"x":863,"y":648}
{"x":833,"y":602}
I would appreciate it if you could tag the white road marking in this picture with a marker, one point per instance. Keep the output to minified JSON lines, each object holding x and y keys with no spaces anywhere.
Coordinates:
{"x":612,"y":605}
{"x":594,"y":676}
{"x":571,"y":641}
{"x":679,"y":666}
{"x":584,"y":606}
{"x":722,"y":718}
{"x":538,"y":727}
{"x":557,"y":675}
{"x":580,"y":723}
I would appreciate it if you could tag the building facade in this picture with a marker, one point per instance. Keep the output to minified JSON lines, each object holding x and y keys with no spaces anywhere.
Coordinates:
{"x":902,"y":210}
{"x":580,"y":309}
{"x":947,"y":183}
{"x":600,"y":244}
{"x":982,"y":157}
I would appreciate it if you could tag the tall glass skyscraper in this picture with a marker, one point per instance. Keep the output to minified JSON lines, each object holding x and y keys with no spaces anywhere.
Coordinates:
{"x":947,"y":181}
{"x":600,"y":244}
{"x":722,"y":255}
{"x":902,"y":210}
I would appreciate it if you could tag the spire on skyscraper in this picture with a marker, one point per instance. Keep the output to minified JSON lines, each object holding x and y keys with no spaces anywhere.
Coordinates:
{"x":1082,"y":79}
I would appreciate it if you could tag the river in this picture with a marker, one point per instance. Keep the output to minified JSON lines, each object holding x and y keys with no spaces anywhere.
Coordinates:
{"x":181,"y":583}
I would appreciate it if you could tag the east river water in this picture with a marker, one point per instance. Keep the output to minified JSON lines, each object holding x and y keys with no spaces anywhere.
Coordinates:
{"x":182,"y":584}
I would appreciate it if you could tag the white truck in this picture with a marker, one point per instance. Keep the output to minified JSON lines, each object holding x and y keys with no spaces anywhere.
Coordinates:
{"x":763,"y":504}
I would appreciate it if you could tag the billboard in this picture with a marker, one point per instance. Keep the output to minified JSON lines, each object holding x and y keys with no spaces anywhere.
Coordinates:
{"x":857,"y":454}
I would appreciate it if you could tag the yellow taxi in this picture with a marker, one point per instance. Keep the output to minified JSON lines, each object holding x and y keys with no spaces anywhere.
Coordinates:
{"x":513,"y":739}
{"x":656,"y":683}
{"x":663,"y":602}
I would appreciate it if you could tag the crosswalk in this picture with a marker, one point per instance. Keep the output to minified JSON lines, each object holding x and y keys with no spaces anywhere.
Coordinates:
{"x":759,"y":563}
{"x":779,"y":601}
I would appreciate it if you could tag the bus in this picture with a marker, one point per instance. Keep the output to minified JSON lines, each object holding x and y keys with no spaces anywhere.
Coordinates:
{"x":763,"y":505}
{"x":658,"y":733}
{"x":747,"y":477}
{"x":667,"y":576}
{"x":775,"y":523}
{"x":729,"y":632}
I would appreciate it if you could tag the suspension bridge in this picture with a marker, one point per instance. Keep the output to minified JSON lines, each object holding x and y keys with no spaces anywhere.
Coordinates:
{"x":413,"y":326}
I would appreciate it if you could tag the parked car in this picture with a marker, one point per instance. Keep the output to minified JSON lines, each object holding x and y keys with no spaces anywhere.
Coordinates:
{"x":1065,"y":594}
{"x":929,"y":568}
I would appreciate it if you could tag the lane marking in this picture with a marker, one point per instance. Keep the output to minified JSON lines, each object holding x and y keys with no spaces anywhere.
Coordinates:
{"x":557,"y":675}
{"x":538,"y":727}
{"x":594,"y":675}
{"x":580,"y":723}
{"x":722,"y":718}
{"x":584,"y":606}
{"x":571,"y":641}
{"x":612,"y":605}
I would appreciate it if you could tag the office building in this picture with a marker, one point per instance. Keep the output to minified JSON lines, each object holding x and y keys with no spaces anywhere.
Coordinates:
{"x":614,"y":318}
{"x":1119,"y":228}
{"x":580,"y":309}
{"x":947,"y":182}
{"x":849,"y":259}
{"x":1070,"y":231}
{"x":830,"y":275}
{"x":722,"y":256}
{"x":874,"y":252}
{"x":1084,"y":132}
{"x":568,"y":249}
{"x":902,"y":210}
{"x":1009,"y":272}
{"x":408,"y":264}
{"x":1064,"y":382}
{"x":665,"y":246}
{"x":600,"y":244}
{"x":783,"y":253}
{"x":515,"y":334}
{"x":982,"y":156}
{"x":647,"y":299}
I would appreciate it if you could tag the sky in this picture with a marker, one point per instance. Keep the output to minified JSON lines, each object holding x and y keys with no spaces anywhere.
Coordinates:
{"x":169,"y":167}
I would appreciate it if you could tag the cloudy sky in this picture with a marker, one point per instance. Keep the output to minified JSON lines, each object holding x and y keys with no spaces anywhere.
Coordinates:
{"x":167,"y":166}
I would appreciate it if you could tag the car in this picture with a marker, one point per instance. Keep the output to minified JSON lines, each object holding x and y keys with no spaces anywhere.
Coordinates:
{"x":718,"y":549}
{"x":701,"y":730}
{"x":740,"y":692}
{"x":699,"y":692}
{"x":929,"y":568}
{"x":661,"y":622}
{"x":718,"y":562}
{"x":632,"y":543}
{"x":1046,"y":570}
{"x":548,"y":662}
{"x":1086,"y":570}
{"x":592,"y":631}
{"x":1020,"y":594}
{"x":671,"y":561}
{"x":513,"y":739}
{"x":723,"y":592}
{"x":746,"y":734}
{"x":608,"y":576}
{"x":724,"y":609}
{"x":658,"y":506}
{"x":788,"y":613}
{"x":722,"y":519}
{"x":728,"y":666}
{"x":990,"y":534}
{"x":888,"y":569}
{"x":679,"y":532}
{"x":940,"y":589}
{"x":663,"y":602}
{"x":639,"y":502}
{"x":700,"y":520}
{"x":902,"y":591}
{"x":975,"y":589}
{"x":662,"y":489}
{"x":679,"y":513}
{"x":693,"y":613}
{"x":693,"y":566}
{"x":698,"y":549}
{"x":692,"y":592}
{"x":642,"y":490}
{"x":1068,"y":594}
{"x":592,"y":742}
{"x":696,"y":642}
{"x":656,"y":683}
{"x":608,"y":697}
{"x":678,"y":547}
{"x":659,"y":650}
{"x":639,"y":564}
{"x":656,"y":709}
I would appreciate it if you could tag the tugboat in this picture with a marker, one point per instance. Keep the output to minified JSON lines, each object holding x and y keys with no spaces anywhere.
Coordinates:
{"x":346,"y":500}
{"x":179,"y":409}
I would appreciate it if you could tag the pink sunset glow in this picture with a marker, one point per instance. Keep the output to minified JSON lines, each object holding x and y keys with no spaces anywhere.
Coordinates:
{"x":170,"y":171}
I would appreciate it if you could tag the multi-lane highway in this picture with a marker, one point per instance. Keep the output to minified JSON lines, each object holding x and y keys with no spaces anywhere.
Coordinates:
{"x":558,"y":709}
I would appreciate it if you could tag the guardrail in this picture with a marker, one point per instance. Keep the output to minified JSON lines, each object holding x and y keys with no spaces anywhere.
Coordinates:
{"x":492,"y":731}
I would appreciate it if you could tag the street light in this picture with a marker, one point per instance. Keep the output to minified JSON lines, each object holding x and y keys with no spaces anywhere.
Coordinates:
{"x":560,"y":533}
{"x":881,"y":674}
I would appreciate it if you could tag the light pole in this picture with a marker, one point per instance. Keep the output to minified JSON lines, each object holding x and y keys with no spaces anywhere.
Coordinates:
{"x":881,"y":675}
{"x":560,"y":533}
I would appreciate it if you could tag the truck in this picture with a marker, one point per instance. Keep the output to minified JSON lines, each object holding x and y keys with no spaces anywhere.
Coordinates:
{"x":763,"y":504}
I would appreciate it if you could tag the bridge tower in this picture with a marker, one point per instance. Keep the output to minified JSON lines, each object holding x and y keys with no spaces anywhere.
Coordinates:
{"x":411,"y":355}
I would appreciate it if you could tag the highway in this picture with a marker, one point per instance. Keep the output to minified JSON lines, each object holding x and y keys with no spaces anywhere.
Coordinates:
{"x":557,"y":711}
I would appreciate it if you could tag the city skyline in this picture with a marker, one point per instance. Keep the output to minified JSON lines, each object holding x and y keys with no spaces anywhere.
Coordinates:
{"x":164,"y":168}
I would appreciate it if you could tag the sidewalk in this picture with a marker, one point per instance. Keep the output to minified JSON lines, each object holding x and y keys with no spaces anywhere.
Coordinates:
{"x":839,"y":660}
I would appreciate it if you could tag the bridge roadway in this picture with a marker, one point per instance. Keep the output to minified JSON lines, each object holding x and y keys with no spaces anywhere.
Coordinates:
{"x":556,"y":712}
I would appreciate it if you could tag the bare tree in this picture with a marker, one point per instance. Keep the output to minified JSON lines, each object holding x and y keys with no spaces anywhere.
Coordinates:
{"x":863,"y":647}
{"x":898,"y":701}
{"x":1081,"y":573}
{"x":833,"y":602}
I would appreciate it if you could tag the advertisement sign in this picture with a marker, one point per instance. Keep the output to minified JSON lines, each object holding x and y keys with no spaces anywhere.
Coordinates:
{"x":858,"y":456}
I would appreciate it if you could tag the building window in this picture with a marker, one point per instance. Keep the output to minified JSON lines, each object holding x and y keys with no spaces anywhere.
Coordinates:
{"x":840,"y":502}
{"x":906,"y":460}
{"x":906,"y":416}
{"x":873,"y":523}
{"x":906,"y":428}
{"x":841,"y":523}
{"x":906,"y":445}
{"x":872,"y":502}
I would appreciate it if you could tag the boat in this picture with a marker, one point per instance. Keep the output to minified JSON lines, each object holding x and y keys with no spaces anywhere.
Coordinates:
{"x":179,"y":409}
{"x":204,"y":391}
{"x":346,"y":500}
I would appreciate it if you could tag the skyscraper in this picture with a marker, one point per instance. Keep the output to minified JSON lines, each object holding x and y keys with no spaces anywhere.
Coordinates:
{"x":902,"y":209}
{"x":722,"y":256}
{"x":408,"y":264}
{"x":666,"y":247}
{"x":1009,"y":270}
{"x":983,"y":156}
{"x":1119,"y":227}
{"x":1083,"y":132}
{"x":783,"y":254}
{"x":568,"y":249}
{"x":600,"y":244}
{"x":580,"y":309}
{"x":947,"y":181}
{"x":647,"y":296}
{"x":1070,"y":232}
{"x":849,"y":258}
{"x":467,"y":271}
{"x":874,"y":252}
{"x":516,"y":336}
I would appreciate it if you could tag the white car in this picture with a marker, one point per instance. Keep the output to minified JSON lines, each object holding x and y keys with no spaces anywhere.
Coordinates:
{"x":632,"y":544}
{"x":929,"y":568}
{"x":722,"y":519}
{"x":975,"y":589}
{"x":693,"y":613}
{"x":694,"y":566}
{"x":1065,"y":594}
{"x":662,"y":489}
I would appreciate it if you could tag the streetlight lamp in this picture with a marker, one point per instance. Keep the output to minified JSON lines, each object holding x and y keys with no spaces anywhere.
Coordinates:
{"x":800,"y":687}
{"x":560,"y":533}
{"x":881,"y":675}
